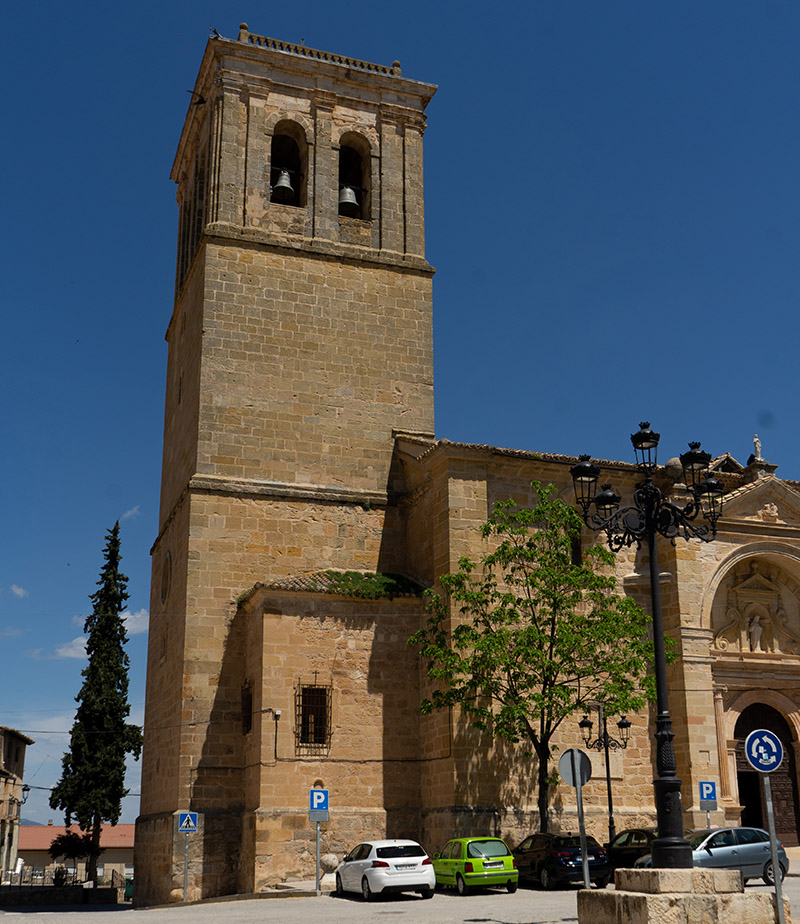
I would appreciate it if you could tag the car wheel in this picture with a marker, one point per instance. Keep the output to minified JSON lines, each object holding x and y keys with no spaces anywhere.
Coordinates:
{"x":426,"y":893}
{"x":511,"y":886}
{"x":366,"y":891}
{"x":339,"y":886}
{"x":546,"y":878}
{"x":602,"y":882}
{"x":768,"y":877}
{"x":461,"y":886}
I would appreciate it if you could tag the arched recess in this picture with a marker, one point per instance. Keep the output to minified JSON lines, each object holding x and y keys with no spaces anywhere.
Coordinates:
{"x":783,"y":781}
{"x":288,"y":164}
{"x":355,"y":176}
{"x":780,"y":702}
{"x":784,"y":556}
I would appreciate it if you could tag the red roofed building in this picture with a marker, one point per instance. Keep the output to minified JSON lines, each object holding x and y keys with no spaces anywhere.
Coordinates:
{"x":116,"y":843}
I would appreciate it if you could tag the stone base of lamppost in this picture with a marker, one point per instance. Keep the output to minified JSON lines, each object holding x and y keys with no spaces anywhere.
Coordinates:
{"x":688,"y":896}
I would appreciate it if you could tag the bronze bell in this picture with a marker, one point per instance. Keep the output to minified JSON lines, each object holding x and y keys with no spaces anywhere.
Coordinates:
{"x":282,"y":191}
{"x":348,"y":204}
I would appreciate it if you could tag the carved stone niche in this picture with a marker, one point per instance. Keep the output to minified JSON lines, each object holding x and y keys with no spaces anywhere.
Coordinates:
{"x":757,"y":613}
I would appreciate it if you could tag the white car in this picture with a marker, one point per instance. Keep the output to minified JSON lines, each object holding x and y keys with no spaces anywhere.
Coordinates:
{"x":381,"y":867}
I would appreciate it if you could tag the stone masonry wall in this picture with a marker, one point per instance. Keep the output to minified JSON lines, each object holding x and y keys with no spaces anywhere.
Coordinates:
{"x":309,"y":363}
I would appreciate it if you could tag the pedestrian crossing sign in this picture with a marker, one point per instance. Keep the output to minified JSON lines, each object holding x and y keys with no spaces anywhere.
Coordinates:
{"x":187,"y":822}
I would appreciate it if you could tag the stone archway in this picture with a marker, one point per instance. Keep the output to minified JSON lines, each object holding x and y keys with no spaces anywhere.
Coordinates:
{"x":783,"y":780}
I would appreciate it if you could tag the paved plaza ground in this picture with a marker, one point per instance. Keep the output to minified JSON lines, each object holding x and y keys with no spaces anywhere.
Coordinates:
{"x":527,"y":906}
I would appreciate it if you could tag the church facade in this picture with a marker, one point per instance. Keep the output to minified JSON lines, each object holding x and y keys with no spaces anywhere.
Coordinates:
{"x":301,"y":467}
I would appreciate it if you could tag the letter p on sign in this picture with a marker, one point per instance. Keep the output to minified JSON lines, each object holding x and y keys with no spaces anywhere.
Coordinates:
{"x":318,"y":800}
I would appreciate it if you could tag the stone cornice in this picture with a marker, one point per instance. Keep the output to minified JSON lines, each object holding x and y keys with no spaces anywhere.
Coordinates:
{"x":256,"y":487}
{"x":728,"y":527}
{"x":223,"y":232}
{"x":314,"y":60}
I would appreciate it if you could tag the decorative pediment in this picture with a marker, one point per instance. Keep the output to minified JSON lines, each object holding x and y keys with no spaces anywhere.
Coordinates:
{"x":768,"y":500}
{"x":754,"y":586}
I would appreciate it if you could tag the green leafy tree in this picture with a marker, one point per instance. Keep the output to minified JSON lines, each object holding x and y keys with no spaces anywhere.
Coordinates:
{"x":92,"y":782}
{"x":535,"y":632}
{"x":71,"y":846}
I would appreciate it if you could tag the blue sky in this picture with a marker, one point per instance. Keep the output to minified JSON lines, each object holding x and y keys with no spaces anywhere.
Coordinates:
{"x":612,"y":192}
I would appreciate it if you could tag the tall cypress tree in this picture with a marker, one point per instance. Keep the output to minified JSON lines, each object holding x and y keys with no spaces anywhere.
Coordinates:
{"x":92,"y":782}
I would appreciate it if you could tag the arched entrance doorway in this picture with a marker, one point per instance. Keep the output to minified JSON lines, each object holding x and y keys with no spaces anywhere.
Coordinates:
{"x":783,"y":780}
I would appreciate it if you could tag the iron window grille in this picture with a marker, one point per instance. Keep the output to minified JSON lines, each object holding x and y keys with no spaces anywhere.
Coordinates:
{"x":313,"y":717}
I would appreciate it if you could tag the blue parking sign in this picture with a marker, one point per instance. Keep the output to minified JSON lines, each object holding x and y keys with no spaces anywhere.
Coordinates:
{"x":708,"y":795}
{"x":763,"y":750}
{"x":318,"y":800}
{"x":708,"y":790}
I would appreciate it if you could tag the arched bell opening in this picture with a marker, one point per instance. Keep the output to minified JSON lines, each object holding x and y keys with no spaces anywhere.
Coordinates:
{"x":287,"y":174}
{"x":783,"y":780}
{"x":354,"y":177}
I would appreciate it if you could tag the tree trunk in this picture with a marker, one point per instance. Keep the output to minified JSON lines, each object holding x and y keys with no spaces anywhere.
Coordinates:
{"x":543,"y":787}
{"x":91,"y":866}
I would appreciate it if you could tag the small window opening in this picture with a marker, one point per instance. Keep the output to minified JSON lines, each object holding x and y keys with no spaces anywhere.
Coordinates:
{"x":313,"y":716}
{"x":286,"y":171}
{"x":247,"y":708}
{"x":192,"y":219}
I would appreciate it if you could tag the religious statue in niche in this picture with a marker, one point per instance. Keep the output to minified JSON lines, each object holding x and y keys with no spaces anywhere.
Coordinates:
{"x":756,"y":629}
{"x":755,"y":618}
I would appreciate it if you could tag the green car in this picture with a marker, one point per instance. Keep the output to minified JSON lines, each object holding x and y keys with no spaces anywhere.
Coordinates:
{"x":466,"y":862}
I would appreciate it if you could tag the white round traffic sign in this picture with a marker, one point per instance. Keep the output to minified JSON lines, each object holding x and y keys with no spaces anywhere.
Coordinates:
{"x":763,"y":750}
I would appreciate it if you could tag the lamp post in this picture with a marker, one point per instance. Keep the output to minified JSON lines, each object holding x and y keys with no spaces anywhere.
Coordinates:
{"x":651,"y":515}
{"x":604,"y":742}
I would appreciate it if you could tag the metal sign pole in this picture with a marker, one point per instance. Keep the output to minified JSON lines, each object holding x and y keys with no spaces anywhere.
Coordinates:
{"x":317,"y":858}
{"x":186,"y":869}
{"x":773,"y":843}
{"x":579,"y":793}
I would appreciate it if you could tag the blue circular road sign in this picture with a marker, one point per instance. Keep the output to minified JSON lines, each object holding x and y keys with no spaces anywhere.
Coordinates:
{"x":763,"y":750}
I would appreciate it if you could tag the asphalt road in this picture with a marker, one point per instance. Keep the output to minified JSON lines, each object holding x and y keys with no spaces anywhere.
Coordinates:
{"x":527,"y":906}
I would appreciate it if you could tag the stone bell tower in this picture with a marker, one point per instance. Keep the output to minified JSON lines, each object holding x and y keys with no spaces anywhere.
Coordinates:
{"x":300,"y":344}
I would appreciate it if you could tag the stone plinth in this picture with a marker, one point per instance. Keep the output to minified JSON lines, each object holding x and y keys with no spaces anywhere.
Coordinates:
{"x":683,"y":896}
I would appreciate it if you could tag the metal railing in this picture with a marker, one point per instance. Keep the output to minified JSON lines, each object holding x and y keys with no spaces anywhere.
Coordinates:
{"x":38,"y":876}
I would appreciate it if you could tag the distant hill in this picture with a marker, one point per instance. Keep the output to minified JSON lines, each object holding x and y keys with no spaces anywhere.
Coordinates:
{"x":28,"y":821}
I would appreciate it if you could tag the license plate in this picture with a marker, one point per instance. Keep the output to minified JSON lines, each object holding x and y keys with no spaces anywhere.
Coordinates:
{"x":590,"y":856}
{"x":492,"y":865}
{"x":405,"y":865}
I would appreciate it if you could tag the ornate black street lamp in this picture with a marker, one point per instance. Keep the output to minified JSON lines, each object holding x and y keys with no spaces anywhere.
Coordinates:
{"x":604,"y":742}
{"x":648,"y":516}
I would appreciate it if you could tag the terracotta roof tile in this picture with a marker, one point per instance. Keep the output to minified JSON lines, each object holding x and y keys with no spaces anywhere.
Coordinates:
{"x":324,"y":582}
{"x":40,"y":837}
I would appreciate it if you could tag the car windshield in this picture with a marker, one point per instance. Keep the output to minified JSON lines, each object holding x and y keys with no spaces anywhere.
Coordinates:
{"x":573,"y":840}
{"x":696,"y":838}
{"x":399,"y":850}
{"x":477,"y":849}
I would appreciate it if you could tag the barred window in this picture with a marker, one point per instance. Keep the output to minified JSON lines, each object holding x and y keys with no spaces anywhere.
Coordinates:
{"x":313,"y":717}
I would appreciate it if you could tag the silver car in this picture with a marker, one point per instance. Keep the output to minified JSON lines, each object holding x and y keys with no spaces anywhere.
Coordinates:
{"x":380,"y":867}
{"x":745,"y":849}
